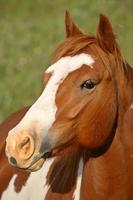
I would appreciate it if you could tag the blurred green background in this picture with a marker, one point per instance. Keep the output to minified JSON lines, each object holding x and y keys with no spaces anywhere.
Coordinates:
{"x":31,"y":30}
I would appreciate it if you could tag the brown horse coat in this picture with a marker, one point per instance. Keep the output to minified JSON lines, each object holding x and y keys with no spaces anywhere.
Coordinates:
{"x":95,"y":160}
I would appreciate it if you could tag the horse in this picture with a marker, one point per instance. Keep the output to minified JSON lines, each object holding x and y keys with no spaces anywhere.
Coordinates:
{"x":76,"y":141}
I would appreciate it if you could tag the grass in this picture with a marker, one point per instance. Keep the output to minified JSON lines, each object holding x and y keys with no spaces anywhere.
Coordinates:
{"x":30,"y":31}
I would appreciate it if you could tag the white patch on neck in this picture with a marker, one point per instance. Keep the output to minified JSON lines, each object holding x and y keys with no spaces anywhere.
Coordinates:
{"x":42,"y":113}
{"x":76,"y":194}
{"x":35,"y":187}
{"x":131,"y":107}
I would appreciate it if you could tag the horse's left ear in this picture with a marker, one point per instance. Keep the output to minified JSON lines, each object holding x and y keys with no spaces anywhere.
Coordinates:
{"x":105,"y":35}
{"x":71,"y":28}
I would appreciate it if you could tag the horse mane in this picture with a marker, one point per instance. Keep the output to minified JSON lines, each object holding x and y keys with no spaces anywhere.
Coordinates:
{"x":68,"y":164}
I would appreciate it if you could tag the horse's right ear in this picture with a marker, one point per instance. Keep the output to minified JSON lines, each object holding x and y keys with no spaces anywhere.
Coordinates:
{"x":105,"y":35}
{"x":71,"y":28}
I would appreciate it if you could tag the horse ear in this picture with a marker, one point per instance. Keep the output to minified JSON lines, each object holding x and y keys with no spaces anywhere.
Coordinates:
{"x":71,"y":28}
{"x":105,"y":35}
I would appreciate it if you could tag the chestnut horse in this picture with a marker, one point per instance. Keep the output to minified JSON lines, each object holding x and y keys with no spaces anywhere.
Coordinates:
{"x":78,"y":136}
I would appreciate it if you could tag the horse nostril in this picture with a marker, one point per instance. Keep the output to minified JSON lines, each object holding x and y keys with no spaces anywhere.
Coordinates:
{"x":25,"y":147}
{"x":13,"y":161}
{"x":19,"y":148}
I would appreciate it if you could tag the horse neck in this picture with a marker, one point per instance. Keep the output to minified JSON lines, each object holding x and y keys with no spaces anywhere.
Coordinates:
{"x":124,"y":87}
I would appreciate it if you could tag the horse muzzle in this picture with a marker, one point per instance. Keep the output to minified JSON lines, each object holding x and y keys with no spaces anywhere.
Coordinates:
{"x":22,"y":150}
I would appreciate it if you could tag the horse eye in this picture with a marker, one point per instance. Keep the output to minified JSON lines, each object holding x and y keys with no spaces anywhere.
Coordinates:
{"x":88,"y":84}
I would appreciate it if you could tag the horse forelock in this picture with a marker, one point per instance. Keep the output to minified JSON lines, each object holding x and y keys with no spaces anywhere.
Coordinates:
{"x":72,"y":46}
{"x":83,"y":43}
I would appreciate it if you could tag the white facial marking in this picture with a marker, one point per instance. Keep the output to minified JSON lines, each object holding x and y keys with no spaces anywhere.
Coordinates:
{"x":131,"y":107}
{"x":43,"y":111}
{"x":76,"y":194}
{"x":35,"y":187}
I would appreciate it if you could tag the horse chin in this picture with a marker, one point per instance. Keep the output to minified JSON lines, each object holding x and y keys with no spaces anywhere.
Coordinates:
{"x":36,"y":166}
{"x":55,"y":152}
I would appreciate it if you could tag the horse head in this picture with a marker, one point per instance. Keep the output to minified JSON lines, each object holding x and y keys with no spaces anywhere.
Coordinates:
{"x":79,"y":104}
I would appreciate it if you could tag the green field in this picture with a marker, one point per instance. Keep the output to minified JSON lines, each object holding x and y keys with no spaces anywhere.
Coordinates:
{"x":30,"y":31}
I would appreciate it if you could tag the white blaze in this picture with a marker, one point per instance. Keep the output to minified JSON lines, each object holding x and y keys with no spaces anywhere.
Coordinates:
{"x":42,"y":112}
